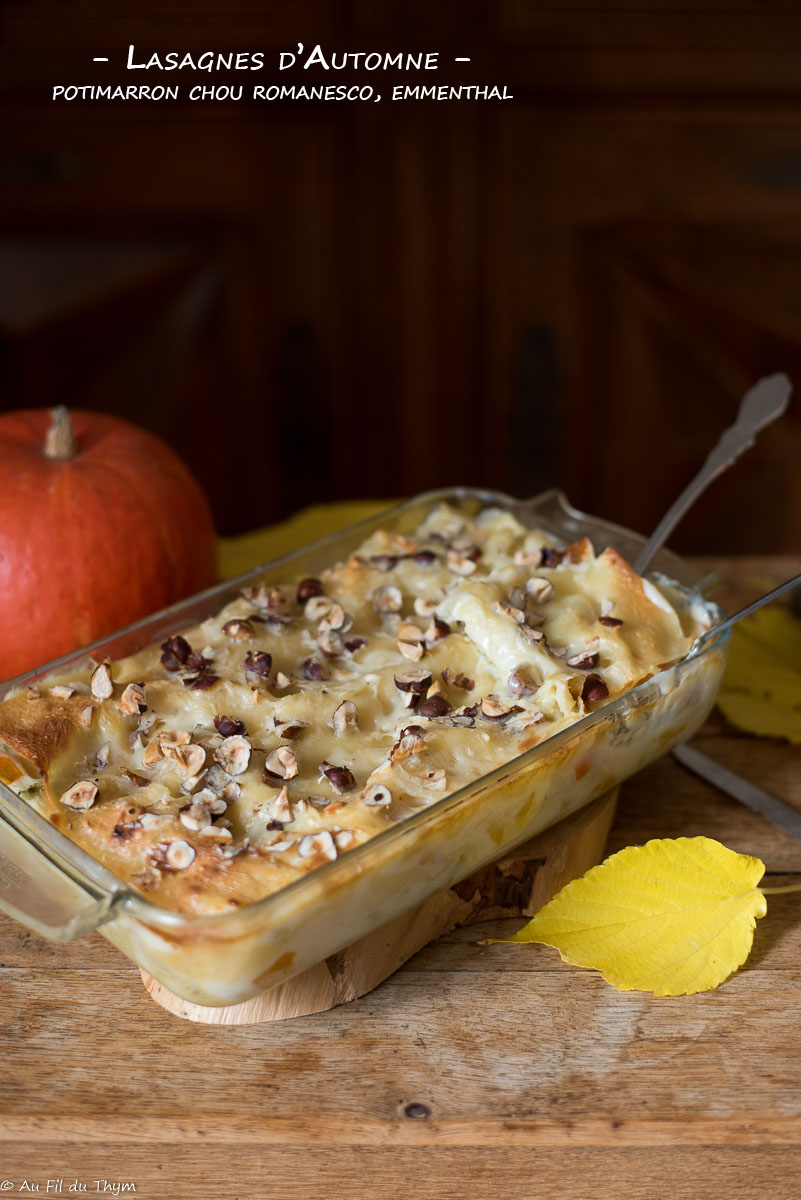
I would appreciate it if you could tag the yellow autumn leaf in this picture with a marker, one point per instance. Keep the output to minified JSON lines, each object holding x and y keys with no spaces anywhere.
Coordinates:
{"x":672,"y":917}
{"x":761,"y":690}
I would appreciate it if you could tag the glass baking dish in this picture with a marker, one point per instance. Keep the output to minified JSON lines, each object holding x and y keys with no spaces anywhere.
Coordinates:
{"x":51,"y":885}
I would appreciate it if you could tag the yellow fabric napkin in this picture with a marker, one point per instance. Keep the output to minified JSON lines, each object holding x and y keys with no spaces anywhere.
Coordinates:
{"x":238,"y":554}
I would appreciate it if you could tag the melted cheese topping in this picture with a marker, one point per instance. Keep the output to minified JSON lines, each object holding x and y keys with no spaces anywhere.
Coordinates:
{"x":283,"y":732}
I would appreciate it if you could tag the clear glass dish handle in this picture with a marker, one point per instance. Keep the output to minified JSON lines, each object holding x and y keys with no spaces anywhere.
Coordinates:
{"x":38,"y":888}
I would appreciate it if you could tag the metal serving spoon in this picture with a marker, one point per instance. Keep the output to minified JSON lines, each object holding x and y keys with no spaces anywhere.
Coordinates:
{"x":721,"y":777}
{"x":715,"y":631}
{"x":761,"y":404}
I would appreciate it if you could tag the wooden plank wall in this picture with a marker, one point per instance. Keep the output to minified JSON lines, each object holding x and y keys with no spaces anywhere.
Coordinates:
{"x":352,"y":300}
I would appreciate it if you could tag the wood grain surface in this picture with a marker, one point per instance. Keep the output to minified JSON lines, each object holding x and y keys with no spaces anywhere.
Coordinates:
{"x":475,"y":1071}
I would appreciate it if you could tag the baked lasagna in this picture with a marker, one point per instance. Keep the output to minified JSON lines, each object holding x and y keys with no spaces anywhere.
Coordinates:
{"x":305,"y":718}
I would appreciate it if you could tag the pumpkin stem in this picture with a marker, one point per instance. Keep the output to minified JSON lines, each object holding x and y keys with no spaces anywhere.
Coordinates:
{"x":60,"y":442}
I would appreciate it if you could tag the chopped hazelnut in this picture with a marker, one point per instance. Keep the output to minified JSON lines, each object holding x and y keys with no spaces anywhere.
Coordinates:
{"x":520,"y":682}
{"x":233,"y":754}
{"x":204,"y":682}
{"x":180,"y":855}
{"x":228,"y":726}
{"x":280,"y":764}
{"x":101,"y":683}
{"x":216,"y":779}
{"x":169,"y":738}
{"x":231,"y":792}
{"x":583,"y":661}
{"x":317,"y":607}
{"x":152,"y":753}
{"x":307,"y":588}
{"x":175,"y":652}
{"x":190,"y":759}
{"x":190,"y":783}
{"x":196,"y":816}
{"x":345,"y":717}
{"x":436,"y":631}
{"x":594,"y":689}
{"x":463,"y":545}
{"x":414,"y":651}
{"x":239,"y":629}
{"x":340,"y":778}
{"x":387,"y":599}
{"x":313,"y":669}
{"x":377,"y":796}
{"x":335,"y":618}
{"x":463,"y":682}
{"x":435,"y":781}
{"x":417,"y":682}
{"x":212,"y":801}
{"x":459,"y":564}
{"x":289,"y":730}
{"x":132,"y":701}
{"x":424,"y":607}
{"x":407,"y":631}
{"x":138,"y":780}
{"x":495,"y":709}
{"x":508,"y":610}
{"x":197,"y":662}
{"x":610,"y":622}
{"x":80,"y":796}
{"x":330,"y":643}
{"x":540,"y":590}
{"x":279,"y":600}
{"x":434,"y":706}
{"x":274,"y":601}
{"x":318,"y":843}
{"x":383,"y":562}
{"x":411,"y":741}
{"x":280,"y":808}
{"x":550,"y":557}
{"x":258,"y":663}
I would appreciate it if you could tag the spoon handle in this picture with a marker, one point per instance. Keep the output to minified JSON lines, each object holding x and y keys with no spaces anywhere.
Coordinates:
{"x":760,"y":405}
{"x":774,"y":594}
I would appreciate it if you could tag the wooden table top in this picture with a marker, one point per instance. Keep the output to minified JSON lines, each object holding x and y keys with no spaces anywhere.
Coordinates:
{"x":474,"y":1071}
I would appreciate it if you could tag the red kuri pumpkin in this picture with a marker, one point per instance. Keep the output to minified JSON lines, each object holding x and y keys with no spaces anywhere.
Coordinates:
{"x":100,"y":524}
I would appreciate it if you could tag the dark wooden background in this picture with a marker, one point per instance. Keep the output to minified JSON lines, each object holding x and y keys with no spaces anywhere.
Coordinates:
{"x":316,"y":301}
